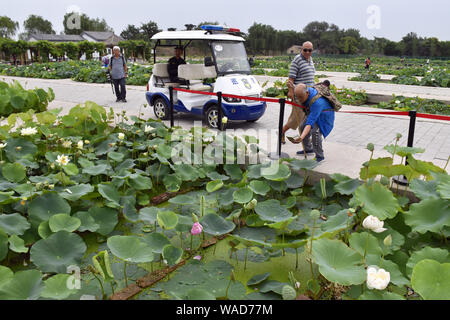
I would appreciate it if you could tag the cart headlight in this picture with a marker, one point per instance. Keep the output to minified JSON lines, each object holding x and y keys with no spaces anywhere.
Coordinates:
{"x":232,"y":100}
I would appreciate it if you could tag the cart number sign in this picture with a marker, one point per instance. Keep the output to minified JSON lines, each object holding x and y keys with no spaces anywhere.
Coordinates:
{"x":218,"y":48}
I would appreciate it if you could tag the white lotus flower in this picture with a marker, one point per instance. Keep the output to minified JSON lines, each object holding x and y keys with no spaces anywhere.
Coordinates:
{"x":377,"y":278}
{"x":121,"y":136}
{"x":67,"y":144}
{"x":2,"y":145}
{"x":397,"y":101}
{"x":28,"y":131}
{"x":68,"y":191}
{"x":80,"y":144}
{"x":63,"y":160}
{"x":374,"y":224}
{"x":225,"y":120}
{"x":147,"y":129}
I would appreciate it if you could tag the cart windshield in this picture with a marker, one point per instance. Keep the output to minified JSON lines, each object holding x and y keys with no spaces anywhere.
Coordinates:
{"x":231,"y":57}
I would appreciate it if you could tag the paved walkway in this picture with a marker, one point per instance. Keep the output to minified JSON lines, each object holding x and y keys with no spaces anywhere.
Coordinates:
{"x":344,"y":148}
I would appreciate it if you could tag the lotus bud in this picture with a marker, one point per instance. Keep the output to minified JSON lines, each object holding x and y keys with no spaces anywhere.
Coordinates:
{"x":370,"y":147}
{"x":232,"y":277}
{"x":86,"y":142}
{"x":388,"y":241}
{"x":399,"y":136}
{"x":18,"y":148}
{"x":225,"y":120}
{"x":51,"y":186}
{"x":52,"y":166}
{"x":251,"y":205}
{"x":121,"y":136}
{"x":297,"y":285}
{"x":315,"y":214}
{"x":197,"y":228}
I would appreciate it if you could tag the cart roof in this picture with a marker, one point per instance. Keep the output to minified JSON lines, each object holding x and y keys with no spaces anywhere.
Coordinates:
{"x":195,"y":35}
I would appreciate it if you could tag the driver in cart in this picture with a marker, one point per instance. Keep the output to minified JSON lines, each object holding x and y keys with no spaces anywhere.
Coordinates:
{"x":174,"y":62}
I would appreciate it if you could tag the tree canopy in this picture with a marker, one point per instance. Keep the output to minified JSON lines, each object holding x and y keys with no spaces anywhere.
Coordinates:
{"x":86,"y":23}
{"x":8,"y":27}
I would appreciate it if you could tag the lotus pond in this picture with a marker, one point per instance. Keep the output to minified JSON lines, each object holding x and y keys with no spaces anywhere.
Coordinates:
{"x":93,"y":207}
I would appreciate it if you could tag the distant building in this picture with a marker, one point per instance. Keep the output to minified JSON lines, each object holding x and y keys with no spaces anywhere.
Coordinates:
{"x":294,"y":50}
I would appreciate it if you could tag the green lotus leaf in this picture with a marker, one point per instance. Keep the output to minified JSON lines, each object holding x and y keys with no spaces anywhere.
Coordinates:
{"x":428,"y":215}
{"x":423,"y":167}
{"x":280,"y":225}
{"x":130,"y":249}
{"x":431,"y":280}
{"x":157,"y":241}
{"x":215,"y":225}
{"x":243,"y":195}
{"x":338,"y":263}
{"x":25,"y":285}
{"x":64,"y":222}
{"x":184,"y":224}
{"x":109,"y":192}
{"x":255,"y":236}
{"x":96,"y":170}
{"x":5,"y":275}
{"x":281,"y":173}
{"x":288,"y":293}
{"x":295,"y":181}
{"x":183,"y":200}
{"x":5,"y":197}
{"x":14,"y":172}
{"x":44,"y":207}
{"x":25,"y":148}
{"x":424,"y":189}
{"x":167,"y":219}
{"x":444,"y":189}
{"x":366,"y":244}
{"x":271,"y":285}
{"x":106,"y":218}
{"x":57,"y":287}
{"x":347,"y":187}
{"x":139,"y":182}
{"x":148,"y":214}
{"x":257,"y":279}
{"x":199,"y":294}
{"x":437,"y":254}
{"x":217,"y":176}
{"x":377,"y":200}
{"x":58,"y":252}
{"x":74,"y":193}
{"x":271,"y":210}
{"x":164,"y":151}
{"x":298,"y":164}
{"x":87,"y":222}
{"x":14,"y":224}
{"x":172,"y":182}
{"x":380,"y":295}
{"x":44,"y":230}
{"x":213,"y":186}
{"x":338,"y":222}
{"x":17,"y":244}
{"x":116,"y":156}
{"x":186,"y":172}
{"x":71,"y":169}
{"x":234,"y":171}
{"x":172,"y":254}
{"x":3,"y":245}
{"x":259,"y":187}
{"x":103,"y":266}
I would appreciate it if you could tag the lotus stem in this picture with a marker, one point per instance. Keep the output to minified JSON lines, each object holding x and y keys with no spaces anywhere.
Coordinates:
{"x":190,"y":247}
{"x":125,"y":273}
{"x":365,"y":249}
{"x":246,"y":255}
{"x":112,"y":288}
{"x":296,"y":258}
{"x":446,"y":164}
{"x":101,"y":286}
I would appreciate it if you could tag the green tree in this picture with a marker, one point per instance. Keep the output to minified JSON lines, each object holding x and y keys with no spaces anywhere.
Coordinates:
{"x":148,"y":30}
{"x":8,"y":27}
{"x":131,"y":33}
{"x":190,"y":26}
{"x":349,"y":45}
{"x":86,"y":24}
{"x":37,"y":24}
{"x":70,"y":49}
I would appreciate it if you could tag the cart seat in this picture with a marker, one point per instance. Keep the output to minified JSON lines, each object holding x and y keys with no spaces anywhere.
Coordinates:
{"x":162,"y":75}
{"x":192,"y":72}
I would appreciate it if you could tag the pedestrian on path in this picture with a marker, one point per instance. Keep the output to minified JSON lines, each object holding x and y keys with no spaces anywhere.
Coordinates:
{"x":368,"y":63}
{"x":302,"y":70}
{"x":320,"y":120}
{"x":119,"y":72}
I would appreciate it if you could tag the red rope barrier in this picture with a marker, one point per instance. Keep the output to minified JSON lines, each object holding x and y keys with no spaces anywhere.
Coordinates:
{"x":273,"y":100}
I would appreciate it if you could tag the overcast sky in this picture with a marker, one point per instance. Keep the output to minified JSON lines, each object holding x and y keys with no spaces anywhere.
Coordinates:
{"x":396,"y":17}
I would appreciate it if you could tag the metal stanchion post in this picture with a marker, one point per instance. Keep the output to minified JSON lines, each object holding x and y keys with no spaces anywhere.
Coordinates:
{"x":171,"y":107}
{"x":279,"y":154}
{"x":220,"y":114}
{"x":402,"y":180}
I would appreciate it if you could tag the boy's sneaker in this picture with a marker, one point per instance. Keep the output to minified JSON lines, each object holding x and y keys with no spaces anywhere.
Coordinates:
{"x":118,"y":100}
{"x":303,"y":152}
{"x":124,"y":100}
{"x":319,"y":159}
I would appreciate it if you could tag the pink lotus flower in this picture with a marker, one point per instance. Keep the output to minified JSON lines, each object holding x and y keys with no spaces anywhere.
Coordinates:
{"x":197,"y":228}
{"x":198,"y":258}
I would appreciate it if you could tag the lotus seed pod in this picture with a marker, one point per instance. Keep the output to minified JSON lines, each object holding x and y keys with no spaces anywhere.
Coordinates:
{"x":399,"y":136}
{"x":370,"y":147}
